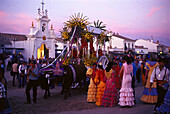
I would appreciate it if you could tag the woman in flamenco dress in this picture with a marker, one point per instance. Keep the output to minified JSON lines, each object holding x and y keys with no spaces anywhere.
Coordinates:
{"x":92,"y":90}
{"x":150,"y":96}
{"x":110,"y":93}
{"x":126,"y":91}
{"x":101,"y":84}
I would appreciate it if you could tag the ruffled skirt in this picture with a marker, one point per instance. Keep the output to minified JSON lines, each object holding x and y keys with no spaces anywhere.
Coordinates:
{"x":91,"y":94}
{"x":110,"y":95}
{"x":126,"y":97}
{"x":149,"y":97}
{"x":165,"y":108}
{"x":100,"y":92}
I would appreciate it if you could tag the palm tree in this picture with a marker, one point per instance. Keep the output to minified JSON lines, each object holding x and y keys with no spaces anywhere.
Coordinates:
{"x":100,"y":40}
{"x":100,"y":25}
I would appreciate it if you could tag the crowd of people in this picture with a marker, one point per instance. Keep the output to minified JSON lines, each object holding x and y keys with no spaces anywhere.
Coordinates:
{"x":26,"y":74}
{"x":116,"y":84}
{"x":108,"y":87}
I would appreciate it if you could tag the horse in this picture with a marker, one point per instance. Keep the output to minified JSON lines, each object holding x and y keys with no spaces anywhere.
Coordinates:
{"x":43,"y":82}
{"x":73,"y":74}
{"x":70,"y":74}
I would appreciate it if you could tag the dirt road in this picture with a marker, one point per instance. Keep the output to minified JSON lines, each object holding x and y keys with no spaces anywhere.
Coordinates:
{"x":76,"y":104}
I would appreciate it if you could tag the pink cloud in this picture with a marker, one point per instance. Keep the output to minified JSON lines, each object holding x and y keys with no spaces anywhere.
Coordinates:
{"x":3,"y":14}
{"x":20,"y":23}
{"x":153,"y":10}
{"x":136,"y":32}
{"x":17,"y":23}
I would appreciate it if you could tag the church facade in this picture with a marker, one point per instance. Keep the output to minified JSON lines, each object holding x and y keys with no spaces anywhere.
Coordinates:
{"x":41,"y":40}
{"x":39,"y":43}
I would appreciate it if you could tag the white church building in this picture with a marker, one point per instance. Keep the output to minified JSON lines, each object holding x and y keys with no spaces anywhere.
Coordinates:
{"x":39,"y":43}
{"x":41,"y":40}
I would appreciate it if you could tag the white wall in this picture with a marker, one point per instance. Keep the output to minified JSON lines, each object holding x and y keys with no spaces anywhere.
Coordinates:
{"x":152,"y":47}
{"x":145,"y":51}
{"x":116,"y":49}
{"x":28,"y":49}
{"x":117,"y":42}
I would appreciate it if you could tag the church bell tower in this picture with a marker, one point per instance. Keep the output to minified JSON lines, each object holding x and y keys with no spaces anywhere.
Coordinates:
{"x":41,"y":39}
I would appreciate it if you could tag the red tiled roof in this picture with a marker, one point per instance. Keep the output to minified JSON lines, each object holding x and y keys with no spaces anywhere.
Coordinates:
{"x":12,"y":37}
{"x":122,"y":37}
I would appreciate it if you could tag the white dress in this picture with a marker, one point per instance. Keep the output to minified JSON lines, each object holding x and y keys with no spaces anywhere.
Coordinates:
{"x":126,"y":91}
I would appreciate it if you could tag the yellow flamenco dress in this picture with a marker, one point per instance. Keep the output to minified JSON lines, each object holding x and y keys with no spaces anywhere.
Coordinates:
{"x":92,"y":89}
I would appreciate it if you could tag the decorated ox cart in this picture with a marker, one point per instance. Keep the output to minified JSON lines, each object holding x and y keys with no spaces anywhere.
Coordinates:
{"x":75,"y":32}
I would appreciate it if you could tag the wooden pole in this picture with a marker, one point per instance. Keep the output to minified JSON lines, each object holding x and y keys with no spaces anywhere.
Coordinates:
{"x":88,"y":49}
{"x":77,"y":47}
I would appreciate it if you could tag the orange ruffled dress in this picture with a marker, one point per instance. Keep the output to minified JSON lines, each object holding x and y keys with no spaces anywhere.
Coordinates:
{"x":101,"y":86}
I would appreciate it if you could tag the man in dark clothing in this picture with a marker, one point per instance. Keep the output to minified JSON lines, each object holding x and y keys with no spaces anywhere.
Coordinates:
{"x":32,"y":83}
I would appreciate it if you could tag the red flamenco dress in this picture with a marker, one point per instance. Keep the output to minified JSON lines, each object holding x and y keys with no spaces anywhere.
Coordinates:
{"x":110,"y":93}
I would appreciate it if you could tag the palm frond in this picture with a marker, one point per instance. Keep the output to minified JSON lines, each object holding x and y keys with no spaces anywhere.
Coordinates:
{"x":97,"y":22}
{"x":81,"y":16}
{"x":102,"y":26}
{"x":100,"y":23}
{"x":84,"y":17}
{"x":94,"y":24}
{"x":75,"y":15}
{"x":78,"y":15}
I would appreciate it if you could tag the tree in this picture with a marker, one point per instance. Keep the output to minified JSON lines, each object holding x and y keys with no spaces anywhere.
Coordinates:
{"x":100,"y":25}
{"x":102,"y":37}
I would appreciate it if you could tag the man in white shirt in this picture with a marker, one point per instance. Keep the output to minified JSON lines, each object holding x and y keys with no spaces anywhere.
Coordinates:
{"x":22,"y":74}
{"x":160,"y":75}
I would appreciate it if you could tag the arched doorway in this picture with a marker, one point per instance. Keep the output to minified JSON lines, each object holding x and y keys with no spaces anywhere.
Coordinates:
{"x":42,"y":52}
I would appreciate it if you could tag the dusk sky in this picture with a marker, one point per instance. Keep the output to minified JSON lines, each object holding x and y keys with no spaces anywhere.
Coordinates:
{"x":134,"y":19}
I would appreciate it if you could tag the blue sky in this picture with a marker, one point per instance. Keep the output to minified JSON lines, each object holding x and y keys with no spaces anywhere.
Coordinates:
{"x":131,"y":18}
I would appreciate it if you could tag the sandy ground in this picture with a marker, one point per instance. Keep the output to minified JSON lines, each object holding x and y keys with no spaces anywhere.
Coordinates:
{"x":76,"y":104}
